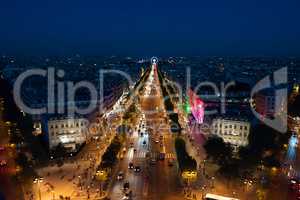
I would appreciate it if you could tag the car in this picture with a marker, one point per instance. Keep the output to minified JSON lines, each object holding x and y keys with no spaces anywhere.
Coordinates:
{"x":3,"y":163}
{"x":130,"y":165}
{"x":128,"y":195}
{"x":126,"y":186}
{"x":137,"y":168}
{"x":170,"y":163}
{"x":153,"y":161}
{"x":294,"y":184}
{"x":120,"y":176}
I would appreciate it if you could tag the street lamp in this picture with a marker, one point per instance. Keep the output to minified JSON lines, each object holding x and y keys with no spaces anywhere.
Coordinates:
{"x":212,"y":182}
{"x":79,"y":178}
{"x":101,"y":175}
{"x":38,"y":181}
{"x":53,"y":194}
{"x":189,"y":175}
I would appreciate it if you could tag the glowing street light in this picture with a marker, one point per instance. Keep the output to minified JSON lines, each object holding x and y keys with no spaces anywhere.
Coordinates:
{"x":189,"y":175}
{"x":101,"y":175}
{"x":38,"y":181}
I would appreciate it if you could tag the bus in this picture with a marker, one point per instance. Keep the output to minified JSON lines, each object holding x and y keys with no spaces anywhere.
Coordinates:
{"x":217,"y":197}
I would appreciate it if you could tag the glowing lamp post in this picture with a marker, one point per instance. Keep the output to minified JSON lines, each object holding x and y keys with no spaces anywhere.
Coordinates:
{"x":101,"y":176}
{"x":38,"y":181}
{"x":189,"y":176}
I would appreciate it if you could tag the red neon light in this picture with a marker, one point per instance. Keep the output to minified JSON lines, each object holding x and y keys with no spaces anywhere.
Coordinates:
{"x":197,"y":107}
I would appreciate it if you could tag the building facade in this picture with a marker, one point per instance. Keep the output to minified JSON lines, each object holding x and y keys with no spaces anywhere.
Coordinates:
{"x":233,"y":131}
{"x":70,"y":132}
{"x":265,"y":104}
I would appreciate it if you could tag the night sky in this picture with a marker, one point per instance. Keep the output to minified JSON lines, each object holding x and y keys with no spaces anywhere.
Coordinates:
{"x":152,"y":27}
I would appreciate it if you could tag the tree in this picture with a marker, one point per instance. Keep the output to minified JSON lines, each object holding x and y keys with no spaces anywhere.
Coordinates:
{"x":248,"y":159}
{"x":185,"y":161}
{"x":263,"y":138}
{"x":59,"y":151}
{"x":218,"y":150}
{"x":110,"y":156}
{"x":27,"y":172}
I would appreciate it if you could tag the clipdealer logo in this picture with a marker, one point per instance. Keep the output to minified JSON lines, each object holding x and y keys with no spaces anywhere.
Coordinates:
{"x":280,"y":79}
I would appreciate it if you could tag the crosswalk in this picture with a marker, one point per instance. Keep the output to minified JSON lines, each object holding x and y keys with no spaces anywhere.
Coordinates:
{"x":154,"y":155}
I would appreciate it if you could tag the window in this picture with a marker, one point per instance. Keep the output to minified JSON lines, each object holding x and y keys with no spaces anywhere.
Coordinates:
{"x":62,"y":125}
{"x":230,"y":126}
{"x":234,"y":126}
{"x":246,"y":127}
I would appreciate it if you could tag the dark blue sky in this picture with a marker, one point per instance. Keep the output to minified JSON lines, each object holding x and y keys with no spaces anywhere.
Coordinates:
{"x":150,"y":27}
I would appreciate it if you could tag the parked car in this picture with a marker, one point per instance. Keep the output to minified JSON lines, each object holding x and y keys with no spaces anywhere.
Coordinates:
{"x":137,"y":168}
{"x":130,"y":165}
{"x":126,"y":186}
{"x":120,"y":176}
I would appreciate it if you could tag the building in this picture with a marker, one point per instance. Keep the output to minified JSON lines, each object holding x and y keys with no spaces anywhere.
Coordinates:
{"x":37,"y":128}
{"x":70,"y":132}
{"x":265,"y":104}
{"x":233,"y":131}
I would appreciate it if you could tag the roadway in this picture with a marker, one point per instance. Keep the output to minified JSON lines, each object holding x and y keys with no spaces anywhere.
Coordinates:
{"x":157,"y":180}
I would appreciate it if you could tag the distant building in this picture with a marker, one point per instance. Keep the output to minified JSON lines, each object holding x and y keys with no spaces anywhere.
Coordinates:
{"x":265,"y":104}
{"x":70,"y":132}
{"x":37,"y":128}
{"x":233,"y":131}
{"x":294,"y":110}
